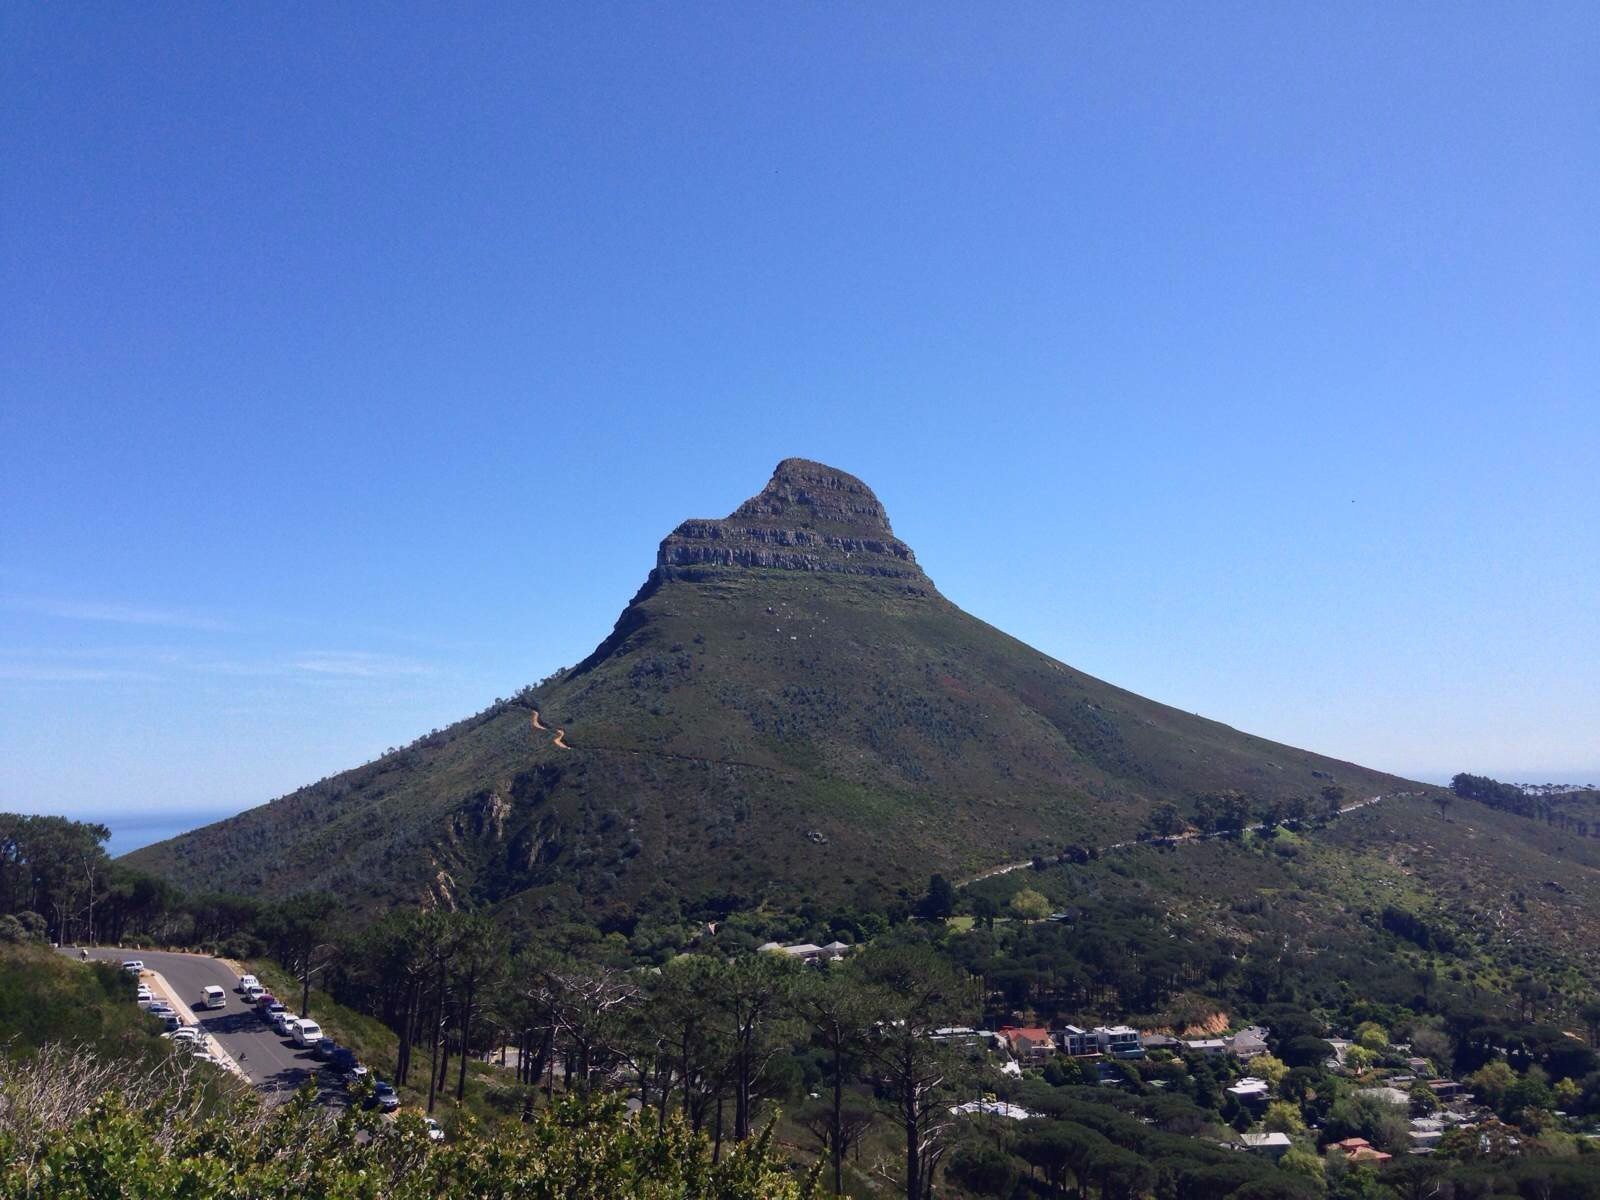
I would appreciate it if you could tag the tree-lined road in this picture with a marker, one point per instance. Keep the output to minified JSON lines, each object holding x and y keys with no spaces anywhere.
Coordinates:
{"x":271,"y":1063}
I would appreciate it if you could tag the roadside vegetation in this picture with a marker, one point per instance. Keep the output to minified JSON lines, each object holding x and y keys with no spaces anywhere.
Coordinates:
{"x":73,"y":1129}
{"x":1388,"y":927}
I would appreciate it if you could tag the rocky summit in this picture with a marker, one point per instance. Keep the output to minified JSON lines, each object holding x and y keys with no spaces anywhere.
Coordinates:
{"x":809,"y":517}
{"x":787,"y":710}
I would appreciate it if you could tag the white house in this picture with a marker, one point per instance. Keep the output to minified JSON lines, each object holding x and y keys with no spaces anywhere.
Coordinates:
{"x":1251,"y":1090}
{"x":991,"y":1108}
{"x":1119,"y":1041}
{"x":1272,"y":1145}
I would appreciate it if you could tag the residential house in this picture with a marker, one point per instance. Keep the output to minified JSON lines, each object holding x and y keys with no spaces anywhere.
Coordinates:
{"x":1119,"y":1041}
{"x":1079,"y":1043}
{"x":808,"y":952}
{"x":1361,"y":1150}
{"x":1206,"y":1046}
{"x":1340,"y":1047}
{"x":1251,"y":1090}
{"x":1391,"y":1096}
{"x":1248,"y":1043}
{"x":1270,"y":1145}
{"x":991,"y":1107}
{"x":1426,"y":1133}
{"x":1031,"y":1045}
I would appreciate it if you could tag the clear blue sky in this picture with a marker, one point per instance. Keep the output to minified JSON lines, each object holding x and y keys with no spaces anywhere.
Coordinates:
{"x":353,"y":362}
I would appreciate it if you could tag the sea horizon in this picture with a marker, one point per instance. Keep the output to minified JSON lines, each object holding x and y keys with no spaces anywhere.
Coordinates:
{"x":131,"y":830}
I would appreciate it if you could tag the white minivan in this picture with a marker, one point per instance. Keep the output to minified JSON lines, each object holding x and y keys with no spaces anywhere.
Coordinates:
{"x":306,"y":1032}
{"x":215,"y":997}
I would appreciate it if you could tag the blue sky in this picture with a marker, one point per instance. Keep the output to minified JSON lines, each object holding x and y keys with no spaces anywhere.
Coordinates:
{"x":352,"y":366}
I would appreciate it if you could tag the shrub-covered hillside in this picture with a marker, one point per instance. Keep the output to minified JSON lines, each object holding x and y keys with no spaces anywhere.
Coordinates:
{"x":787,"y":708}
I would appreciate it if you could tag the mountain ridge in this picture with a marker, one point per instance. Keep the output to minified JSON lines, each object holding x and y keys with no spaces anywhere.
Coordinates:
{"x":788,"y":708}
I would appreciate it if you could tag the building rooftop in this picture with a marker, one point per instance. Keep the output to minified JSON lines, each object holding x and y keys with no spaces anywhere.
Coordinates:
{"x":1261,"y":1141}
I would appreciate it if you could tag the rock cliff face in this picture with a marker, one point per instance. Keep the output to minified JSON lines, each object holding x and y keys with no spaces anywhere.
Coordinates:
{"x":809,"y":517}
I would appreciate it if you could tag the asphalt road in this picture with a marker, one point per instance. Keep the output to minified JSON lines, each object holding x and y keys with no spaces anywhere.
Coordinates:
{"x":275,"y":1065}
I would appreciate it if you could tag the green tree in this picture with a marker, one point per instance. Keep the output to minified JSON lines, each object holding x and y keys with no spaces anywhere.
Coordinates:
{"x":1166,"y":821}
{"x":1423,"y":1101}
{"x":1270,"y":1068}
{"x":1372,"y":1036}
{"x":915,"y":992}
{"x":1303,"y":1163}
{"x":1492,"y":1081}
{"x":1590,"y":1012}
{"x":1283,"y":1117}
{"x":752,"y":994}
{"x":839,"y":1010}
{"x":940,"y":900}
{"x":479,"y":961}
{"x":1029,"y":905}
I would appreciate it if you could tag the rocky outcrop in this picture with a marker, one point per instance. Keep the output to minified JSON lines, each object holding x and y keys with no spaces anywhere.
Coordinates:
{"x":809,"y":517}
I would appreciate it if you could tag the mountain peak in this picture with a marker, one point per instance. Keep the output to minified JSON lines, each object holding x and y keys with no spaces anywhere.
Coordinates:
{"x":814,"y":495}
{"x":809,"y":517}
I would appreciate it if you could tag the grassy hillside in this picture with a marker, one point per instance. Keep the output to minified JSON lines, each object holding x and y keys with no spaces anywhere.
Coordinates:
{"x":1389,"y":903}
{"x":88,"y":1009}
{"x":813,"y":722}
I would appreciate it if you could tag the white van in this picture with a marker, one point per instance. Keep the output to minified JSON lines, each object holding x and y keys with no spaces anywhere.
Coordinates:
{"x":246,"y":982}
{"x":215,"y":997}
{"x":306,"y":1032}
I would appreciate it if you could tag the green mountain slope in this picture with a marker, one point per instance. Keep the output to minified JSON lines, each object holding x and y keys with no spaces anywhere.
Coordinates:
{"x":787,"y":709}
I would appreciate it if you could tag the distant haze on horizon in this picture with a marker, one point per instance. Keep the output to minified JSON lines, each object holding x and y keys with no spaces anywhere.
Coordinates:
{"x":352,"y":370}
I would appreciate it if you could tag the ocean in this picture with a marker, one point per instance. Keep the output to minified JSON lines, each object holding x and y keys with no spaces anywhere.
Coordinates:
{"x":132,"y":829}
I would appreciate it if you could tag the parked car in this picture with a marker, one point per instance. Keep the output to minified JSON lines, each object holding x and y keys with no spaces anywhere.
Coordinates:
{"x":281,"y":1022}
{"x":159,"y":1008}
{"x":265,"y":998}
{"x":170,"y":1020}
{"x":133,"y":966}
{"x":342,"y":1060}
{"x":269,"y":1012}
{"x":214,"y":997}
{"x":383,"y":1096}
{"x":246,"y":982}
{"x":435,"y":1131}
{"x":324,"y":1049}
{"x":185,"y":1033}
{"x":306,"y":1033}
{"x":253,"y":993}
{"x":355,"y":1075}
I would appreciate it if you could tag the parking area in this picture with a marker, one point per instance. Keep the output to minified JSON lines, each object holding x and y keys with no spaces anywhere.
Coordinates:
{"x":271,"y":1063}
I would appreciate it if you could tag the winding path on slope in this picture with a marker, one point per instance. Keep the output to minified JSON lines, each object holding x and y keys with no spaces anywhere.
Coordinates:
{"x":1007,"y":868}
{"x":556,"y":741}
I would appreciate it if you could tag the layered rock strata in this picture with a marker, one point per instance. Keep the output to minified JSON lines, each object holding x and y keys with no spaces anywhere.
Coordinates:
{"x":809,"y":517}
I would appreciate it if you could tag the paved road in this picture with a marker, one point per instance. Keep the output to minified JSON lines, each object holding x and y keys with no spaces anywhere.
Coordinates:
{"x":274,"y":1064}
